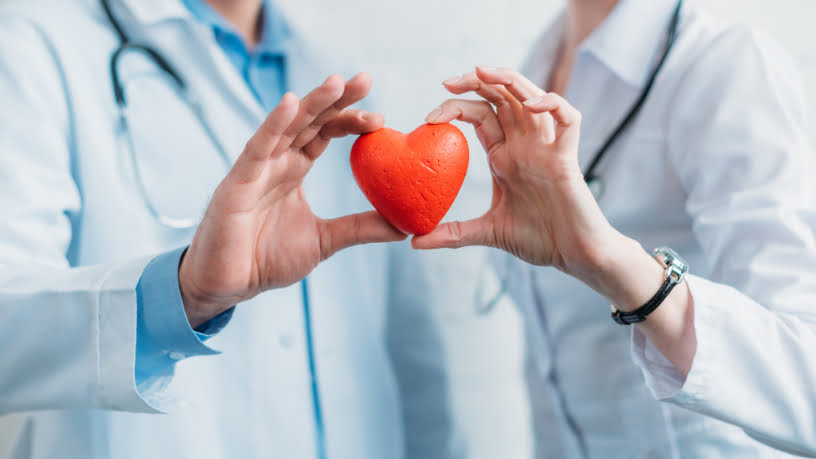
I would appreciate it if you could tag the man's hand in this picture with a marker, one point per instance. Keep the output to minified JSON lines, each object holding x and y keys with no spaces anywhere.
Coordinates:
{"x":258,"y":232}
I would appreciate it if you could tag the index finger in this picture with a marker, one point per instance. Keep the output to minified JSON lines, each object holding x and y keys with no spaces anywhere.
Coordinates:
{"x":507,"y":107}
{"x":517,"y":84}
{"x":354,"y":90}
{"x":349,"y":121}
{"x":352,"y":121}
{"x":250,"y":163}
{"x":470,"y":82}
{"x":314,"y":103}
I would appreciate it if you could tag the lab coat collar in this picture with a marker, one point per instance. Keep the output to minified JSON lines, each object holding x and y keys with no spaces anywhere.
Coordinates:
{"x":149,"y":12}
{"x":631,"y":38}
{"x":306,"y":66}
{"x":627,"y":42}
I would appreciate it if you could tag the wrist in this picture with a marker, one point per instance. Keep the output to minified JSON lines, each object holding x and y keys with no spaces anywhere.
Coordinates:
{"x":625,"y":273}
{"x":198,"y":306}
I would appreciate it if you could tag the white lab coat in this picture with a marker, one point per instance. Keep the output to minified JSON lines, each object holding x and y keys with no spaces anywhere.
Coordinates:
{"x":717,"y":166}
{"x":75,"y":237}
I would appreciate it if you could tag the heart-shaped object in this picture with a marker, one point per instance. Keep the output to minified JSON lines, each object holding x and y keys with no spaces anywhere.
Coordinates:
{"x":412,"y":179}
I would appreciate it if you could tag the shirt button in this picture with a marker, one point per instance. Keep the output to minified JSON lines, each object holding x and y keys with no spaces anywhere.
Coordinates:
{"x":176,"y":355}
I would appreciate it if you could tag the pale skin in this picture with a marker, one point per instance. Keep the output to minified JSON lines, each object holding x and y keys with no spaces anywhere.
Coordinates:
{"x":243,"y":15}
{"x":258,"y":232}
{"x":542,"y":210}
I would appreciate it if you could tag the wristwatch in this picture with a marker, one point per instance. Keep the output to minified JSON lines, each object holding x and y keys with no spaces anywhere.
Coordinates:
{"x":676,"y":269}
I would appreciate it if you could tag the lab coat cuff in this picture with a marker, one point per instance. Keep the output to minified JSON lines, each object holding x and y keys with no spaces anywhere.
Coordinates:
{"x":164,"y":321}
{"x":164,"y":335}
{"x":117,"y":316}
{"x":666,"y":382}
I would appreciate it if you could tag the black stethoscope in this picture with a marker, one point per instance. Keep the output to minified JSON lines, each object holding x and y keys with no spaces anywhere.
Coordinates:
{"x":125,"y":45}
{"x":593,"y":180}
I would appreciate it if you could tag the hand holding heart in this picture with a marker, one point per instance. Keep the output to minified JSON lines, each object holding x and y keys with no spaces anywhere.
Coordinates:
{"x":542,"y":211}
{"x":258,"y":232}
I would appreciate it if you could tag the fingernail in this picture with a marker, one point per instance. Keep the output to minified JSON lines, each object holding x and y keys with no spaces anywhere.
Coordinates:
{"x":434,"y":115}
{"x":486,"y":68}
{"x":452,"y":80}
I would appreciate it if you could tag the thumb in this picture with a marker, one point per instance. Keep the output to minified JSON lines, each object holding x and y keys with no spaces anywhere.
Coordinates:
{"x":456,"y":234}
{"x":367,"y":227}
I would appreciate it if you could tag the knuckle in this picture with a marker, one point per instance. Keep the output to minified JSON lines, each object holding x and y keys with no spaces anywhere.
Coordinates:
{"x":484,"y":106}
{"x":350,"y":113}
{"x":325,"y":241}
{"x":327,"y":132}
{"x":356,"y":226}
{"x":251,"y":144}
{"x":455,"y":231}
{"x":449,"y":103}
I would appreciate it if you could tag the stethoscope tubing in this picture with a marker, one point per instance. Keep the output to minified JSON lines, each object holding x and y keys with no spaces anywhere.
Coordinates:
{"x":591,"y":177}
{"x":121,"y":101}
{"x":120,"y":96}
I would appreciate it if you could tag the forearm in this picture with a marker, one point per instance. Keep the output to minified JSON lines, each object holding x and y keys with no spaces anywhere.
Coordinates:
{"x":744,"y":352}
{"x":629,"y":276}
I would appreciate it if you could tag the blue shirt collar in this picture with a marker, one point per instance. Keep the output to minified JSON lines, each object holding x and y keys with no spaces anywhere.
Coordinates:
{"x":274,"y":33}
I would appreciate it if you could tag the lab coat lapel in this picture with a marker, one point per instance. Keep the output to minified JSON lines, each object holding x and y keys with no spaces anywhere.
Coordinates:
{"x":631,"y":52}
{"x":148,"y":19}
{"x":303,"y":71}
{"x":307,"y":67}
{"x":235,"y":87}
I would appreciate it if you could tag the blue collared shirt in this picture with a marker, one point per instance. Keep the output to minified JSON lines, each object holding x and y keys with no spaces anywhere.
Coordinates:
{"x":262,"y":67}
{"x":164,"y":335}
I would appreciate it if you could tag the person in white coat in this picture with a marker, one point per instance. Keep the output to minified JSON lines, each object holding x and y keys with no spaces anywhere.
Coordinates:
{"x":101,"y":307}
{"x":717,"y":166}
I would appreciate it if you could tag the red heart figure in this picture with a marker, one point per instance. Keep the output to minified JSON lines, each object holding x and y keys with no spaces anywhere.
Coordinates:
{"x":413,"y":179}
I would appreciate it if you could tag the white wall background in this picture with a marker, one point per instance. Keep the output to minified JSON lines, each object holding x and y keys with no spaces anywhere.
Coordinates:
{"x":411,"y":46}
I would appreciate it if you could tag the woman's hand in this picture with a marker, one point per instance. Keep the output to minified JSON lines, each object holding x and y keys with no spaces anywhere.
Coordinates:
{"x":258,"y":232}
{"x":542,"y":210}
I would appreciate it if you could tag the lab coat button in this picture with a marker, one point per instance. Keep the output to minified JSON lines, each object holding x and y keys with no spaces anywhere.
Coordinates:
{"x":286,"y":340}
{"x":176,"y":355}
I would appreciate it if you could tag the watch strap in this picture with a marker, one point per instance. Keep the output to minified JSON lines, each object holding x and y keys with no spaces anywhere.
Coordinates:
{"x":639,"y":314}
{"x":676,"y":269}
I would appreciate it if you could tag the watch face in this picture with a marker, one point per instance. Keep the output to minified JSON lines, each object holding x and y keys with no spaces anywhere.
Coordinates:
{"x":672,"y":259}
